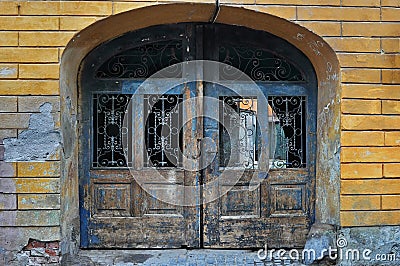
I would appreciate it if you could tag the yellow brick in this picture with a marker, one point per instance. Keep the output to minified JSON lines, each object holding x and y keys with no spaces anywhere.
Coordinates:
{"x":7,"y":133}
{"x":45,"y":38}
{"x":370,"y":154}
{"x":391,"y":202}
{"x":363,"y":138}
{"x":390,"y":14}
{"x":38,"y":201}
{"x":370,"y":91}
{"x":9,"y":8}
{"x":354,"y":44}
{"x":36,"y":71}
{"x":390,"y":107}
{"x":361,"y":106}
{"x":8,"y":71}
{"x":287,"y":12}
{"x":370,"y":29}
{"x":361,"y":170}
{"x":30,"y":218}
{"x":8,"y":104}
{"x":360,"y":203}
{"x":361,"y":75}
{"x":8,"y":38}
{"x":391,"y":3}
{"x":369,"y":218}
{"x":338,"y":13}
{"x":40,"y":8}
{"x":87,"y":8}
{"x":369,"y":60}
{"x":29,"y":87}
{"x":370,"y":186}
{"x":119,"y":7}
{"x":322,"y":28}
{"x":7,"y":169}
{"x":39,"y":169}
{"x":37,"y":185}
{"x":28,"y":23}
{"x":301,"y":2}
{"x":76,"y":23}
{"x":391,"y":170}
{"x":392,"y":138}
{"x":390,"y":76}
{"x":391,"y":45}
{"x":31,"y":104}
{"x":14,"y":120}
{"x":361,"y":2}
{"x":370,"y":122}
{"x":28,"y":55}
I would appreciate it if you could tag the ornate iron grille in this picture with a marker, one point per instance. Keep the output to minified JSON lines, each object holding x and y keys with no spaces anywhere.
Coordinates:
{"x":108,"y":116}
{"x":163,"y":134}
{"x":143,"y":61}
{"x":258,"y":64}
{"x":287,"y":131}
{"x":238,"y":132}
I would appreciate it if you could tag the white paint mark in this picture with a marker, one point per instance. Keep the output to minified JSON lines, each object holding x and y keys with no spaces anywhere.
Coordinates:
{"x":7,"y":71}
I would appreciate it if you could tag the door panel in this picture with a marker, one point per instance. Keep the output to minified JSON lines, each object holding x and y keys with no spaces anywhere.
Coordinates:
{"x":277,"y":208}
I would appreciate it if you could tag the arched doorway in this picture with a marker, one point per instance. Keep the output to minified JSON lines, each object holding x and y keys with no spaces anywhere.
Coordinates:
{"x":322,"y":57}
{"x":117,"y":212}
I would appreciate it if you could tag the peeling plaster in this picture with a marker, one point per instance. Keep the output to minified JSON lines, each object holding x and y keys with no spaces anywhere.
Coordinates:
{"x":39,"y":142}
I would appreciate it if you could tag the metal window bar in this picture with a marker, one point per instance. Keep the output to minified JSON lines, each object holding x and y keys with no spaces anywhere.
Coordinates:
{"x":238,"y":132}
{"x":109,"y":111}
{"x":163,"y":130}
{"x":287,"y":131}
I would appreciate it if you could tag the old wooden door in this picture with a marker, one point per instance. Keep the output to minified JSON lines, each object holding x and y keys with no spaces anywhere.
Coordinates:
{"x":123,"y":203}
{"x":269,"y":145}
{"x":267,"y":151}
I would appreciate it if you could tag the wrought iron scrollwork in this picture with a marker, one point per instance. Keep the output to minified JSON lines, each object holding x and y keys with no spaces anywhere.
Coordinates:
{"x":143,"y":61}
{"x":108,"y":115}
{"x":163,"y":136}
{"x":288,"y":135}
{"x":238,"y":132}
{"x":258,"y":64}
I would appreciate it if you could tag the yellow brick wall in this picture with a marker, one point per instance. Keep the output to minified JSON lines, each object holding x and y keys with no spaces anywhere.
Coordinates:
{"x":364,"y":33}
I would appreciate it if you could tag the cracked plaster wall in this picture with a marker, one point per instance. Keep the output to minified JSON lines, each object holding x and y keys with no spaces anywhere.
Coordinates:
{"x":38,"y":143}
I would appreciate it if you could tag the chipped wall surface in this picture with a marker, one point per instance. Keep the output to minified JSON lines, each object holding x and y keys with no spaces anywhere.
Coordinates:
{"x":353,"y":45}
{"x":41,"y":141}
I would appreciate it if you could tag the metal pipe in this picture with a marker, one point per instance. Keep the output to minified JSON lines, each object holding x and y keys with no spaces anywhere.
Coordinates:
{"x":216,"y":12}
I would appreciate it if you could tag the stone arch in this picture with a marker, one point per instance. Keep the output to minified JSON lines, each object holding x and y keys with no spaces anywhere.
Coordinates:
{"x":314,"y":47}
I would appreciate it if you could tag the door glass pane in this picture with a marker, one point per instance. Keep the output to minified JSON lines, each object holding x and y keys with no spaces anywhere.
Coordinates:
{"x":238,"y":132}
{"x":287,"y":125}
{"x":108,"y":130}
{"x":163,"y":134}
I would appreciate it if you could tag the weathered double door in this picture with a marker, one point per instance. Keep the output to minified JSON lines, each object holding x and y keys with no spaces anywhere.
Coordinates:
{"x":221,"y":160}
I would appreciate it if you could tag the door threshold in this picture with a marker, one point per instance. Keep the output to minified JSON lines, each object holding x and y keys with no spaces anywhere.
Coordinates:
{"x":203,"y":256}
